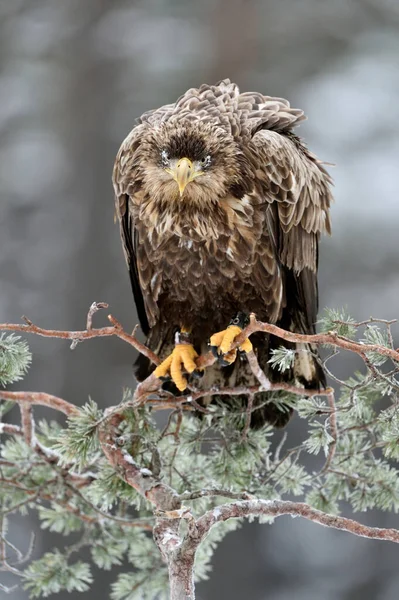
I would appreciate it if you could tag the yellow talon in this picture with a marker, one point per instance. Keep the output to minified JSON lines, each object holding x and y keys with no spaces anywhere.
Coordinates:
{"x":163,"y":368}
{"x":246,"y":346}
{"x":182,"y":355}
{"x":223,"y":340}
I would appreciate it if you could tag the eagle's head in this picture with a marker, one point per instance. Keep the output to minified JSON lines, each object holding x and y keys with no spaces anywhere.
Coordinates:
{"x":192,"y":163}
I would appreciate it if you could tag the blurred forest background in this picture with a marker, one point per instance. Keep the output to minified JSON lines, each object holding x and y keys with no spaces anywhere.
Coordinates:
{"x":74,"y":75}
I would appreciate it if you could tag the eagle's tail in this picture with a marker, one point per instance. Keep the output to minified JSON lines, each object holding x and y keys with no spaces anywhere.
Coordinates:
{"x":161,"y":343}
{"x":305,"y":371}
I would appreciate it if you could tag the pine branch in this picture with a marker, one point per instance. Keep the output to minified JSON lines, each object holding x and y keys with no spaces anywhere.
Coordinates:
{"x":40,"y":398}
{"x":101,"y":461}
{"x":162,"y":496}
{"x":86,"y":334}
{"x":28,"y":424}
{"x":276,"y":508}
{"x":152,"y":384}
{"x":334,"y":432}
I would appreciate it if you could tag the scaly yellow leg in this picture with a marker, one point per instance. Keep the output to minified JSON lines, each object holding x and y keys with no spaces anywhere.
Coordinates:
{"x":183,"y":355}
{"x":222,"y":341}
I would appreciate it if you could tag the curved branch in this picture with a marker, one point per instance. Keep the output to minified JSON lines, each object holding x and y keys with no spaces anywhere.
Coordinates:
{"x":86,"y":334}
{"x":152,"y":385}
{"x":331,"y":339}
{"x":40,"y":398}
{"x":276,"y":508}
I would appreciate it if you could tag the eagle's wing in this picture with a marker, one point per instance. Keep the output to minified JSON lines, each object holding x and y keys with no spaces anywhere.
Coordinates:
{"x":297,"y":190}
{"x":126,"y":180}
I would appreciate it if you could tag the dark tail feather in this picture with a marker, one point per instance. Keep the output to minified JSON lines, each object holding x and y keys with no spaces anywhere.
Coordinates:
{"x":272,"y":408}
{"x":142,"y":368}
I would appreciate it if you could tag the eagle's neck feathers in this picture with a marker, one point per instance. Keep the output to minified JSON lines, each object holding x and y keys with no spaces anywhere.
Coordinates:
{"x":168,"y":217}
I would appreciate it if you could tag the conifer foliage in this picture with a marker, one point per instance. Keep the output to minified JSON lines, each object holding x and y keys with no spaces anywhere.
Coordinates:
{"x":153,"y":502}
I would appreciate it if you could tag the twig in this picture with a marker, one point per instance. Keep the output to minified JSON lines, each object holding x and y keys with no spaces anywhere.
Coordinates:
{"x":331,"y":338}
{"x":28,"y":424}
{"x":4,"y":565}
{"x":132,"y":340}
{"x":214,"y":492}
{"x":248,"y":416}
{"x":334,"y":432}
{"x":10,"y":429}
{"x":96,"y":306}
{"x":141,"y":523}
{"x":149,"y":387}
{"x":79,"y":336}
{"x":366,"y":322}
{"x":257,"y":371}
{"x":280,"y":447}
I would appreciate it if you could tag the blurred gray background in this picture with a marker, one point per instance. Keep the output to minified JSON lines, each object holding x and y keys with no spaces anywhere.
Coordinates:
{"x":74,"y":75}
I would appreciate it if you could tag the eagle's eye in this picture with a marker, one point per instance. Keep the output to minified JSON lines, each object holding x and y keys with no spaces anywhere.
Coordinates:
{"x":206,"y":161}
{"x":165,"y":158}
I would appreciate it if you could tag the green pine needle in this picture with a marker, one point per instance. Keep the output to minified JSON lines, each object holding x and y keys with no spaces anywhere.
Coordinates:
{"x":282,"y":359}
{"x":15,"y":358}
{"x":339,"y":321}
{"x":52,"y":573}
{"x":78,"y":444}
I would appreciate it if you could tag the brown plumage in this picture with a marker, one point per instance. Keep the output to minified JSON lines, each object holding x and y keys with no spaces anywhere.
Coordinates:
{"x":242,"y":236}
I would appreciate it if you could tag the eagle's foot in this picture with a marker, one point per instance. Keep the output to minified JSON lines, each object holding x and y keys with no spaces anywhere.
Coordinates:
{"x":183,"y":356}
{"x":222,"y":341}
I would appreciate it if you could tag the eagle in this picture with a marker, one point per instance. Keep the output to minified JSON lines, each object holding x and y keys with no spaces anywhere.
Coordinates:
{"x":221,"y":206}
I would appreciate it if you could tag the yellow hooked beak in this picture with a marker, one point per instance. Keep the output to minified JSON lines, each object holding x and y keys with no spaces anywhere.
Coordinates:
{"x":183,"y":173}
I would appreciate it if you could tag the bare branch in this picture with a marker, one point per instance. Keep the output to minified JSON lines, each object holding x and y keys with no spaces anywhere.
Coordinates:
{"x":257,"y":371}
{"x":276,"y":508}
{"x":367,"y":322}
{"x":96,"y":306}
{"x":28,"y":424}
{"x":40,"y":398}
{"x":79,"y":336}
{"x":215,"y":492}
{"x":334,"y":431}
{"x":10,"y":429}
{"x":330,"y":339}
{"x":132,"y":340}
{"x":149,"y":391}
{"x":248,"y":416}
{"x":152,"y":385}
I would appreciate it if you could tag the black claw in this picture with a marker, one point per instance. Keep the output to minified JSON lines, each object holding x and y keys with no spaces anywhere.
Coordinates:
{"x":214,"y":350}
{"x":223,"y":362}
{"x":169,"y":386}
{"x":197,"y":374}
